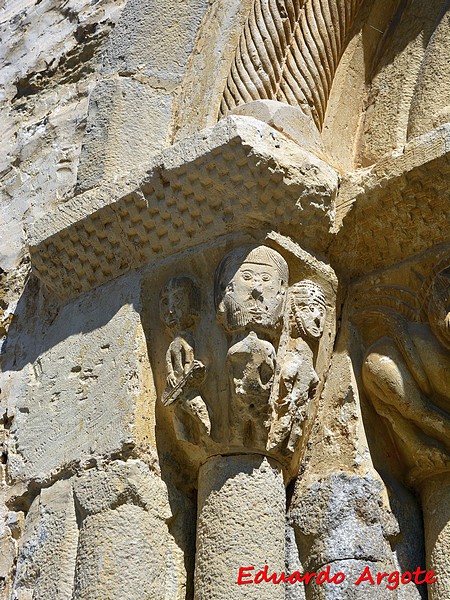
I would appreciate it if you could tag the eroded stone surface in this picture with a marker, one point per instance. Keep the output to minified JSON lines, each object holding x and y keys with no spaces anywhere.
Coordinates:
{"x":123,"y":538}
{"x":341,"y":522}
{"x":48,"y":548}
{"x":405,"y":375}
{"x":97,"y":404}
{"x":241,"y":515}
{"x":49,"y":56}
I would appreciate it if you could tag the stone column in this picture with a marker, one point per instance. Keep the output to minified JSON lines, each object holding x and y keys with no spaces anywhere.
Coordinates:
{"x":241,"y":520}
{"x":435,"y":494}
{"x":341,"y":524}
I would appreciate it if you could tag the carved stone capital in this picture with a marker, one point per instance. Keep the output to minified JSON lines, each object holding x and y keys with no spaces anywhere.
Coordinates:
{"x":404,"y":320}
{"x":245,"y":362}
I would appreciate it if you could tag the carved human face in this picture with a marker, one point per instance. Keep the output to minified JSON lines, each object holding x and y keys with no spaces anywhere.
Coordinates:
{"x":176,"y":304}
{"x":254,"y":294}
{"x":308,"y":309}
{"x":313,"y":319}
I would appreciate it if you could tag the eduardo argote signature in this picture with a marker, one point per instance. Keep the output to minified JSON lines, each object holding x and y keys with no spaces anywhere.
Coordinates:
{"x":390,"y":580}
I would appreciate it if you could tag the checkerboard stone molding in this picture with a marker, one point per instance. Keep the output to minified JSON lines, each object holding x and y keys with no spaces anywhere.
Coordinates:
{"x":239,"y":175}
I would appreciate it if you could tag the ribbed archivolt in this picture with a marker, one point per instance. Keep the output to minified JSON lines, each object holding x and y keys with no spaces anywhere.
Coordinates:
{"x":289,"y":51}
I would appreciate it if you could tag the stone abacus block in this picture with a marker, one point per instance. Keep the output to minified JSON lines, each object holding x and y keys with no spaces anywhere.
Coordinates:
{"x":239,"y":175}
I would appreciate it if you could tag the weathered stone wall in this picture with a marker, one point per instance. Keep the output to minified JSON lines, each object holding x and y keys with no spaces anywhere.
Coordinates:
{"x":49,"y":57}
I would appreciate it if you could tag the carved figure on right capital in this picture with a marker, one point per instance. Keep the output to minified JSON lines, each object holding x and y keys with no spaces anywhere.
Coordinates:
{"x":406,"y":374}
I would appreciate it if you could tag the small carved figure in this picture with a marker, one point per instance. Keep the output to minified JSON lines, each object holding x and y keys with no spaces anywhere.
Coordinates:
{"x":250,"y":293}
{"x":179,"y":310}
{"x":406,"y":374}
{"x":299,"y":379}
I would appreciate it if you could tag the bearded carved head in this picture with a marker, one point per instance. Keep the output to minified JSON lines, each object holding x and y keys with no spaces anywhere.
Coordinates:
{"x":250,"y":289}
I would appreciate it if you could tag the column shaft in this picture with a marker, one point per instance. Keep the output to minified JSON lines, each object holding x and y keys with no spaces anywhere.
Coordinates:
{"x":241,"y":523}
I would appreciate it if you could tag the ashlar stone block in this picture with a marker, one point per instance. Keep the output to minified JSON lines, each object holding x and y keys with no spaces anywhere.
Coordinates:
{"x":87,"y":384}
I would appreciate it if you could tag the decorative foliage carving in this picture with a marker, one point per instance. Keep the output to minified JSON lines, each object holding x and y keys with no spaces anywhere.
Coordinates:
{"x":289,"y":51}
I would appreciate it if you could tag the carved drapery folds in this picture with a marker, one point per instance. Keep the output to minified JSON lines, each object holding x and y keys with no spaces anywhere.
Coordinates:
{"x":289,"y":51}
{"x":267,"y":339}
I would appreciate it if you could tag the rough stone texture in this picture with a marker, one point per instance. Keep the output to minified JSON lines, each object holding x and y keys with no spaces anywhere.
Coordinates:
{"x":153,"y":218}
{"x":409,"y":549}
{"x":342,"y":516}
{"x":394,"y":72}
{"x":402,"y":314}
{"x":49,"y":55}
{"x":430,"y":86}
{"x":143,"y":67}
{"x":406,"y":190}
{"x":95,"y":535}
{"x":297,"y":591}
{"x":121,"y":108}
{"x":98,"y":403}
{"x":48,"y":62}
{"x":48,"y":547}
{"x":241,"y":516}
{"x":218,"y":391}
{"x":10,"y":530}
{"x":197,"y":105}
{"x":343,"y":522}
{"x":123,"y":514}
{"x":286,"y":119}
